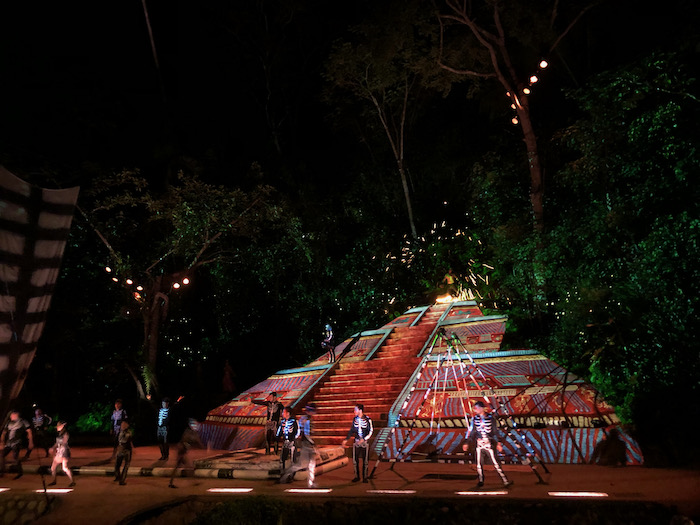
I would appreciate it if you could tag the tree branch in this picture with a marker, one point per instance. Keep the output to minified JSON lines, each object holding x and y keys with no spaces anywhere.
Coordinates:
{"x":571,"y":25}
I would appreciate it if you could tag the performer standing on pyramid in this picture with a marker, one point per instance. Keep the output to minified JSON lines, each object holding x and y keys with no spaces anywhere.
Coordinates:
{"x":481,"y":437}
{"x":328,"y":344}
{"x":361,"y":429}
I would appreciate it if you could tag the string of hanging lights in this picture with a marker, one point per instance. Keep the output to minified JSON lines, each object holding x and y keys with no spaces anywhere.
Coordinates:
{"x":534,"y":79}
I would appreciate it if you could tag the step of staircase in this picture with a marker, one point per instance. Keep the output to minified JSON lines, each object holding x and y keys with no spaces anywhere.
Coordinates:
{"x":375,"y":383}
{"x":366,"y":379}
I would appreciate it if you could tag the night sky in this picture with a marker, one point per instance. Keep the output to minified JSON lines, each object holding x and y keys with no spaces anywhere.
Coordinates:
{"x":236,"y":82}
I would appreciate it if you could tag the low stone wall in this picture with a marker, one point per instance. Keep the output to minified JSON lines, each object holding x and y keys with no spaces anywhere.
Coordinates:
{"x":23,"y":508}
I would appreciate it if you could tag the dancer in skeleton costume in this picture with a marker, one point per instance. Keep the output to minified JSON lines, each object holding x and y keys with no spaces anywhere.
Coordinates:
{"x":307,"y":454}
{"x":361,"y":429}
{"x":40,"y":427}
{"x":274,"y":409}
{"x":481,"y":437}
{"x":163,"y":427}
{"x":289,"y":431}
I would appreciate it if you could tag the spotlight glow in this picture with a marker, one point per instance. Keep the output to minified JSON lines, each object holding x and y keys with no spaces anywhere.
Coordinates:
{"x":482,"y":493}
{"x":231,"y":490}
{"x":391,"y":492}
{"x":308,"y":491}
{"x":581,"y":494}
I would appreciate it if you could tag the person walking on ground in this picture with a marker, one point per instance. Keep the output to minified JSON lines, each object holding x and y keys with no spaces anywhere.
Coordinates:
{"x":274,"y":409}
{"x":307,"y":454}
{"x":481,"y":438}
{"x":189,"y":439}
{"x":40,"y":428}
{"x":118,"y":415}
{"x":125,"y":445}
{"x":361,"y":430}
{"x":61,"y":454}
{"x":11,"y":441}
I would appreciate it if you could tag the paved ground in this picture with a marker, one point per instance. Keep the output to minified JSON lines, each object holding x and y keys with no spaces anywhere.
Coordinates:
{"x":97,"y":499}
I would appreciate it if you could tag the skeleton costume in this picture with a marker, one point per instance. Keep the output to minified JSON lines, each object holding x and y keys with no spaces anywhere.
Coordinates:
{"x":163,"y":427}
{"x":289,"y":431}
{"x":40,"y":426}
{"x":307,"y":454}
{"x":482,"y":438}
{"x":274,"y":411}
{"x":361,"y":429}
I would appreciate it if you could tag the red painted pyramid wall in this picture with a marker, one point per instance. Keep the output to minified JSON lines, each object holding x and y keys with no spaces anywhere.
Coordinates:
{"x":391,"y":370}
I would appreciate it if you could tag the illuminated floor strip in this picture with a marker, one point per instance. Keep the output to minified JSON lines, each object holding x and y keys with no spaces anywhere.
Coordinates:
{"x":482,"y":493}
{"x":309,"y":491}
{"x":231,"y":490}
{"x":3,"y":489}
{"x":55,"y":491}
{"x":579,"y":494}
{"x":391,"y":491}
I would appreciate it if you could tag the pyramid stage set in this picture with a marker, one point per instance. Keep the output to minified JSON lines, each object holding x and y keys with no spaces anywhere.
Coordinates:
{"x":418,"y":378}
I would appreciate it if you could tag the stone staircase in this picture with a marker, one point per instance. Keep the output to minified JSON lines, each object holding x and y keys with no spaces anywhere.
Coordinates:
{"x":375,"y":383}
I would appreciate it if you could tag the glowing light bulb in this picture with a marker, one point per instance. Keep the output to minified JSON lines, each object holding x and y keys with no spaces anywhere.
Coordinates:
{"x":115,"y":279}
{"x":129,"y":282}
{"x":185,"y":281}
{"x":514,"y":120}
{"x":139,"y":288}
{"x":108,"y":269}
{"x":512,"y":106}
{"x":526,"y":91}
{"x":533,"y":79}
{"x":176,"y":285}
{"x":544,"y":64}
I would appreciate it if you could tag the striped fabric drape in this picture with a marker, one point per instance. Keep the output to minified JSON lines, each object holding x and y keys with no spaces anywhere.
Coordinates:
{"x":34,"y":225}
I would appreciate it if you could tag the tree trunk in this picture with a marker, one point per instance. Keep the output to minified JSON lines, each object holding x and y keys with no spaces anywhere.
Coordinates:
{"x":153,"y":316}
{"x":404,"y":181}
{"x":536,"y":178}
